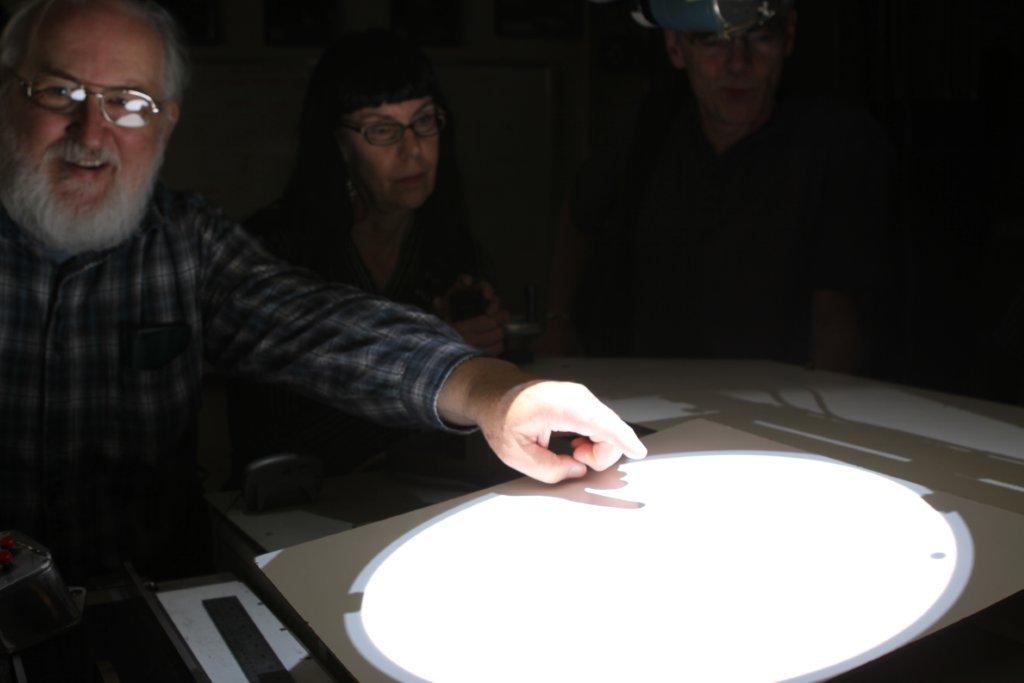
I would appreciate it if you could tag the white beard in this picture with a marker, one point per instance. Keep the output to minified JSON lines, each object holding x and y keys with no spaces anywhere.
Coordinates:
{"x":26,"y":193}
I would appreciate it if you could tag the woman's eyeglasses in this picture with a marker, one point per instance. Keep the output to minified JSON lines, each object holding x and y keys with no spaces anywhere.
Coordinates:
{"x":384,"y":133}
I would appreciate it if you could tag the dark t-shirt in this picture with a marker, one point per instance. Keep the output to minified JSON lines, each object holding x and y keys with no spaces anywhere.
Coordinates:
{"x":722,"y":252}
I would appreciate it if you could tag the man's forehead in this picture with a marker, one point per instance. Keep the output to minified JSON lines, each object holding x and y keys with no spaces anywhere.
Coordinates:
{"x":102,"y":43}
{"x":776,"y":25}
{"x":778,"y":22}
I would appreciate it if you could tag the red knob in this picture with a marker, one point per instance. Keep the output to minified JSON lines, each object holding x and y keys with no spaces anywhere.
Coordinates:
{"x":7,"y":543}
{"x":6,"y":557}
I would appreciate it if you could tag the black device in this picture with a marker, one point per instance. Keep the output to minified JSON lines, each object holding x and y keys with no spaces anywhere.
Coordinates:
{"x":281,"y":479}
{"x":250,"y":649}
{"x":34,"y":602}
{"x":124,"y":634}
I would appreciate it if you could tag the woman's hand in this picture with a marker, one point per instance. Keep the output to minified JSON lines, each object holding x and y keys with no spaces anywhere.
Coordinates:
{"x":474,"y":310}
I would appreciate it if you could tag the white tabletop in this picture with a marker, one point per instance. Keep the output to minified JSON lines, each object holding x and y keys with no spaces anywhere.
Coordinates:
{"x":969,"y":447}
{"x":961,"y":459}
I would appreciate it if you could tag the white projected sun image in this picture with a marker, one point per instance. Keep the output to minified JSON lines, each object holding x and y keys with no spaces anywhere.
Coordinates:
{"x":708,"y":566}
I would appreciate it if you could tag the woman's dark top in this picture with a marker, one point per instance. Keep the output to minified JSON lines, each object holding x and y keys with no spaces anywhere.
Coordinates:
{"x":264,"y":419}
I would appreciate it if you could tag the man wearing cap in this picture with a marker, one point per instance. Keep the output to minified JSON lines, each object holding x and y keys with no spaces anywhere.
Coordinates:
{"x":725,"y":223}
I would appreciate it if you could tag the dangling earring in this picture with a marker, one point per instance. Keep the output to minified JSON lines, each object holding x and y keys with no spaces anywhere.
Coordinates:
{"x":353,"y":195}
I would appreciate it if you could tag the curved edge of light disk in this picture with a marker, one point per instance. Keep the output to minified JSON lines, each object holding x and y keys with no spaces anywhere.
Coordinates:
{"x":959,"y":577}
{"x":354,"y":620}
{"x":954,"y":589}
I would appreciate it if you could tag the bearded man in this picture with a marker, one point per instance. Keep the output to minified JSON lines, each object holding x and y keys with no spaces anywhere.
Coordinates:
{"x":114,"y":291}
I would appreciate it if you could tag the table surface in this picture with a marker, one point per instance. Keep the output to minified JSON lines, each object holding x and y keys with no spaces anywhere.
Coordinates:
{"x":964,"y":446}
{"x":969,"y":452}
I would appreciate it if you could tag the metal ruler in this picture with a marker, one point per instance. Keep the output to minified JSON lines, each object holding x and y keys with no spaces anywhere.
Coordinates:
{"x":244,"y":640}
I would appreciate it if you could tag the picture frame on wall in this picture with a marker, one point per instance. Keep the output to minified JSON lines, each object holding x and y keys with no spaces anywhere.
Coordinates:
{"x":428,"y":22}
{"x":201,"y":21}
{"x":538,"y":18}
{"x":301,"y":22}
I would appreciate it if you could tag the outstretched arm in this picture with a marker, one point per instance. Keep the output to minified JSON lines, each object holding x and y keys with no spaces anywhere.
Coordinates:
{"x":518,"y":414}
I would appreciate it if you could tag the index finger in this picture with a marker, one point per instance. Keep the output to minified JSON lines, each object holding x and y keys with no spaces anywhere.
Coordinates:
{"x":601,"y":425}
{"x":598,"y":456}
{"x":543,"y":465}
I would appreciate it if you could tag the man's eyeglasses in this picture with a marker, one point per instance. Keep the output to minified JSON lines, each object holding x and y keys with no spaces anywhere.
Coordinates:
{"x":763,"y":38}
{"x":122,"y":107}
{"x":384,"y":133}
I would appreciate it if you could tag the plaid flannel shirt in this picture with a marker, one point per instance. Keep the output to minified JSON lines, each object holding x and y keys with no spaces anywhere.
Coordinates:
{"x":101,"y":358}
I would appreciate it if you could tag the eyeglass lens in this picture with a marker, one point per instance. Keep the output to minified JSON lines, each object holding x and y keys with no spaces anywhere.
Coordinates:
{"x":122,"y":107}
{"x":390,"y":132}
{"x":762,"y":38}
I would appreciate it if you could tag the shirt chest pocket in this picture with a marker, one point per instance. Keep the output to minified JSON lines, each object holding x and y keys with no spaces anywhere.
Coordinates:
{"x":152,"y":347}
{"x":160,"y":373}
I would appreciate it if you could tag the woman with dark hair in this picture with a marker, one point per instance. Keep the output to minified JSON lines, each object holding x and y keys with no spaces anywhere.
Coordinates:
{"x":374,"y":201}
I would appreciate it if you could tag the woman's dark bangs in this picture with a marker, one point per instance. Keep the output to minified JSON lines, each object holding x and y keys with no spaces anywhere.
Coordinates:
{"x":386,"y":82}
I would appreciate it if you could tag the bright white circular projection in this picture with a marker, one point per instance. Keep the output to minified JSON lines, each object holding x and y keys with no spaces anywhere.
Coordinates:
{"x":739,"y":566}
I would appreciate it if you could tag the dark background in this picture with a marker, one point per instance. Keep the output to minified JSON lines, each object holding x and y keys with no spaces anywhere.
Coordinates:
{"x":944,"y":81}
{"x":533,"y":83}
